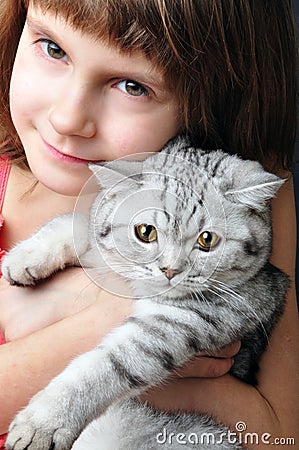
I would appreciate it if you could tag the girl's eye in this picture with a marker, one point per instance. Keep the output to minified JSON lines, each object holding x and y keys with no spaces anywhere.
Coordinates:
{"x":207,"y":240}
{"x":132,"y":88}
{"x":53,"y":50}
{"x":146,"y":233}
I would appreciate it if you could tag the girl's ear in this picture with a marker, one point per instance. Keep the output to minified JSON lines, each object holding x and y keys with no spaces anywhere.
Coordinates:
{"x":253,"y":186}
{"x":125,"y":174}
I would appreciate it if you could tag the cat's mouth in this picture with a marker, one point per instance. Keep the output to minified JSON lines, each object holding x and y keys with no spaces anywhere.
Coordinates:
{"x":168,"y":288}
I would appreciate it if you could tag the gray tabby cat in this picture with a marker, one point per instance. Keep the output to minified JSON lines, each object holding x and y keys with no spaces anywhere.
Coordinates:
{"x":190,"y":232}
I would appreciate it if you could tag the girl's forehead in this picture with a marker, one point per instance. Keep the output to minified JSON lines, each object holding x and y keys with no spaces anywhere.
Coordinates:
{"x":158,"y":32}
{"x":131,"y":25}
{"x":90,"y":17}
{"x":65,"y":34}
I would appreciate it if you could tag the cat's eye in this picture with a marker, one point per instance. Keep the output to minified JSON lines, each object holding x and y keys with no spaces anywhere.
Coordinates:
{"x":207,"y":240}
{"x":146,"y":233}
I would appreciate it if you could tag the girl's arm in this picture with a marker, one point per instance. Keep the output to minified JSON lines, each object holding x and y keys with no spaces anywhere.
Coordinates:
{"x":272,"y":407}
{"x":49,"y":325}
{"x":26,"y":310}
{"x":29,"y":363}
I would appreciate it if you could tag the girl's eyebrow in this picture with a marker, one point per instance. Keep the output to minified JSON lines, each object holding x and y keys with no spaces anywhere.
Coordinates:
{"x":38,"y":26}
{"x":155,"y":78}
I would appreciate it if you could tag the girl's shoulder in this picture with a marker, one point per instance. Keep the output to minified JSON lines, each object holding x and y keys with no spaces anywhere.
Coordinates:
{"x":4,"y":173}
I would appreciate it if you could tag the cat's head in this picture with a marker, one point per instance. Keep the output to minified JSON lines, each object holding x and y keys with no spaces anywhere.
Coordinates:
{"x":183,"y":218}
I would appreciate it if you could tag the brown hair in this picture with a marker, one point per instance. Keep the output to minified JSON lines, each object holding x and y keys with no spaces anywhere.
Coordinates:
{"x":231,"y":63}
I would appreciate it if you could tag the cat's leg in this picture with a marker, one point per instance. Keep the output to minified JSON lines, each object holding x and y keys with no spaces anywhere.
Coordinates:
{"x":50,"y":249}
{"x":125,"y":364}
{"x":139,"y":354}
{"x":131,"y":425}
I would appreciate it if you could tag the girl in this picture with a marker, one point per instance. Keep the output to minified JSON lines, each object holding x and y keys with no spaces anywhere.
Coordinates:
{"x":96,"y":80}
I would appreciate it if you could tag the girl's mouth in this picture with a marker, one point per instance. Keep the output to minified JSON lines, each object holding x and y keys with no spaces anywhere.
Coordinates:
{"x":63,"y":157}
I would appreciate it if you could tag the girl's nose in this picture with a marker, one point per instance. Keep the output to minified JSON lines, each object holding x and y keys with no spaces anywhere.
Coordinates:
{"x":71,"y":115}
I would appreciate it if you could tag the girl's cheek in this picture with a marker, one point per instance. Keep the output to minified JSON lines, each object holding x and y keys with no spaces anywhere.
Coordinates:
{"x":20,"y":101}
{"x":27,"y":92}
{"x":27,"y":81}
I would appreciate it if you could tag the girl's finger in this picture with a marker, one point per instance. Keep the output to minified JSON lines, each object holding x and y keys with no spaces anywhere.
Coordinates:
{"x":205,"y":367}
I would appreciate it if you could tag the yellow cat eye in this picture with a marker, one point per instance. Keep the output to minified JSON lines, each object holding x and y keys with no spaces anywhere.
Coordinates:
{"x":146,"y":233}
{"x":207,"y":240}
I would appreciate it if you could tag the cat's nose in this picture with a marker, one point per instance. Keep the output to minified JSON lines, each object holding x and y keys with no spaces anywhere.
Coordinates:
{"x":169,"y":273}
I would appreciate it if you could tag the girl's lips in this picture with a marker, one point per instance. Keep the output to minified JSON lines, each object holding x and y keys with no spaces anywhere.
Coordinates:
{"x":62,"y":157}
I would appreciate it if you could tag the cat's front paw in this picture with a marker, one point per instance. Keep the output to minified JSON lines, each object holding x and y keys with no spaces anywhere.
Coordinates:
{"x":26,"y":265}
{"x":33,"y":260}
{"x":36,"y":431}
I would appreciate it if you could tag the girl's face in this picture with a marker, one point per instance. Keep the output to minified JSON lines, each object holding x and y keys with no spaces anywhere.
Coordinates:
{"x":75,"y":100}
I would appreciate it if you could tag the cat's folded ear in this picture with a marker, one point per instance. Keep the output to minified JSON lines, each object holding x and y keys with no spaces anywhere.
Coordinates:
{"x":126,"y":174}
{"x":253,"y":186}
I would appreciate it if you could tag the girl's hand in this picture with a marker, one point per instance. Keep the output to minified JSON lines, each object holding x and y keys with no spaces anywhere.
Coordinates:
{"x":210,"y":366}
{"x":24,"y":310}
{"x":175,"y":394}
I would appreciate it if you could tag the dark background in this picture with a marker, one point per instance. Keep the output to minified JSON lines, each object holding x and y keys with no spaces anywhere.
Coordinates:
{"x":296,"y":182}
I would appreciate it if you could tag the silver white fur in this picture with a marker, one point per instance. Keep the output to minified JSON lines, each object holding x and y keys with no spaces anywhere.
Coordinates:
{"x":228,"y":293}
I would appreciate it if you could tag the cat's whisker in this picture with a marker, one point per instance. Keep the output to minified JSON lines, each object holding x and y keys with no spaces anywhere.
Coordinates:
{"x":226,"y":287}
{"x":188,"y":216}
{"x":110,"y":268}
{"x":234,"y":295}
{"x":247,"y":314}
{"x":240,"y":301}
{"x":199,"y":295}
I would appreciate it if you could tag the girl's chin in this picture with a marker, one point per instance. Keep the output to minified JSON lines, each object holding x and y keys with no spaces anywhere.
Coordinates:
{"x":68,"y":184}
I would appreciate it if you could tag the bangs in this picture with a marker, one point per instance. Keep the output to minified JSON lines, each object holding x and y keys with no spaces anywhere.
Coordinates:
{"x":160,"y":29}
{"x":132,"y":25}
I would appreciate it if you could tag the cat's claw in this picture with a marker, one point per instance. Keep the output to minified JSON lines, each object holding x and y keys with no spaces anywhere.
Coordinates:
{"x":26,"y":265}
{"x":42,"y":426}
{"x":17,"y":274}
{"x":31,"y":437}
{"x":50,"y":249}
{"x":25,"y":437}
{"x":25,"y":278}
